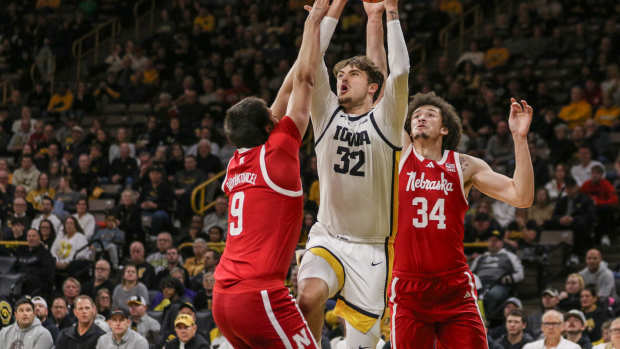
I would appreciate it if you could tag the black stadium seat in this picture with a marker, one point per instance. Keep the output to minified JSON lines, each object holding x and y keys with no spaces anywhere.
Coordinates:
{"x":157,"y":315}
{"x":6,"y":264}
{"x":11,"y":285}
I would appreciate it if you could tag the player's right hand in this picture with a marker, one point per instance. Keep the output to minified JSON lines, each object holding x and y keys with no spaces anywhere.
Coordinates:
{"x":373,"y":8}
{"x":318,"y":9}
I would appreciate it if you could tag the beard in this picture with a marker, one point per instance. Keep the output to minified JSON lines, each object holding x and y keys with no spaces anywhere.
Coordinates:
{"x":342,"y":101}
{"x":422,"y":135}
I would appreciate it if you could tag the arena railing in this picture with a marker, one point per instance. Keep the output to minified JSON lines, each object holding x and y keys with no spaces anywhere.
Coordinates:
{"x":5,"y":87}
{"x":91,"y":45}
{"x":146,"y":17}
{"x":200,"y":192}
{"x":459,"y":28}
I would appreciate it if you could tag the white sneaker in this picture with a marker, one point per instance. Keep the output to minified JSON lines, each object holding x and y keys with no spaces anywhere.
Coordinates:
{"x":605,"y":240}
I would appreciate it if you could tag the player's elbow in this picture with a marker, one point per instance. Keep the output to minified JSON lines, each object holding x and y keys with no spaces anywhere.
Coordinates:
{"x":304,"y":77}
{"x":525,"y":201}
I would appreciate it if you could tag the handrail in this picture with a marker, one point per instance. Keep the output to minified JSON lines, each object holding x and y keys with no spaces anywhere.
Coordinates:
{"x":444,"y":34}
{"x":79,"y":52}
{"x":5,"y":86}
{"x":201,"y":190}
{"x":150,"y":13}
{"x":13,"y":243}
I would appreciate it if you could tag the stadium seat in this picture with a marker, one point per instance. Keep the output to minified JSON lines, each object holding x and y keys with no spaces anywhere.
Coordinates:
{"x":11,"y":285}
{"x":152,"y":295}
{"x":100,"y":205}
{"x":556,"y":237}
{"x":205,"y":322}
{"x":6,"y":264}
{"x":157,"y":315}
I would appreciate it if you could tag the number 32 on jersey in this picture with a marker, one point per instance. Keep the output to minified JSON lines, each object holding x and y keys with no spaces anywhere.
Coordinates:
{"x":422,"y":218}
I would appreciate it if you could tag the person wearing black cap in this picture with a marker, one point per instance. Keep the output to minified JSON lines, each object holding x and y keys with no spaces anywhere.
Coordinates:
{"x":121,"y":336}
{"x":171,"y":313}
{"x":574,"y":325}
{"x":27,"y":331}
{"x":85,"y":334}
{"x":157,"y":199}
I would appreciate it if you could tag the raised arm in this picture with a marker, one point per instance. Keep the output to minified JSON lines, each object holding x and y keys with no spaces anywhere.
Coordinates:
{"x":303,"y":77}
{"x":518,"y":191}
{"x":375,"y":46}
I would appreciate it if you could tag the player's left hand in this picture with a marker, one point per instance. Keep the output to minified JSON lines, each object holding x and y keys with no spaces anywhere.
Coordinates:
{"x":318,"y":9}
{"x":520,"y":118}
{"x":373,"y":8}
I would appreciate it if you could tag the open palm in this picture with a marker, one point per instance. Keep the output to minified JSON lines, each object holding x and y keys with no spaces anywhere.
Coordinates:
{"x":520,"y":117}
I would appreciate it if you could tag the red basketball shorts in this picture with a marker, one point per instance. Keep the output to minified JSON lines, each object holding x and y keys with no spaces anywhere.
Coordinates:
{"x":436,"y":312}
{"x":262,"y":319}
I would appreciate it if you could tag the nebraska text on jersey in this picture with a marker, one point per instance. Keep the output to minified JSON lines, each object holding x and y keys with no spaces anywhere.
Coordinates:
{"x":425,"y":184}
{"x":245,"y":177}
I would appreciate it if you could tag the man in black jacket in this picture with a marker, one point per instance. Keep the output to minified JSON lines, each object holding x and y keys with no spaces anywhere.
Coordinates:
{"x":36,"y":263}
{"x":85,"y":334}
{"x":157,"y":198}
{"x":515,"y":337}
{"x":185,"y":328}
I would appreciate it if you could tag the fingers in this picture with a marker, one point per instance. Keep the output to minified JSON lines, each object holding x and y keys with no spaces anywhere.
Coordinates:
{"x":308,"y":8}
{"x":514,"y":106}
{"x":528,"y":108}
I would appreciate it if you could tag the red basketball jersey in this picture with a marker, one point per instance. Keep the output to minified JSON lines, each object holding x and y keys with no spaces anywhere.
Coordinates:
{"x":431,"y":211}
{"x":265,"y":203}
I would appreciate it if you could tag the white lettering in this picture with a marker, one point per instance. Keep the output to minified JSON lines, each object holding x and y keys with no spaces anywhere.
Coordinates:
{"x":301,"y":339}
{"x":245,"y":177}
{"x":425,"y":184}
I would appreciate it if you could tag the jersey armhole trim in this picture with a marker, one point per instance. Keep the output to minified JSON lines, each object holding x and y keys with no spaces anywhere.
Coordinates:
{"x":226,"y":175}
{"x":270,"y":183}
{"x":457,"y":162}
{"x":404,"y":157}
{"x":374,"y":124}
{"x":316,"y":142}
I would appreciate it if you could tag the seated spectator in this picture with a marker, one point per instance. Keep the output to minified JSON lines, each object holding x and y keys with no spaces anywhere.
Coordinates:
{"x":98,"y":163}
{"x":499,"y":270}
{"x":111,"y":238}
{"x":603,"y":193}
{"x":16,"y":231}
{"x":596,"y":313}
{"x":560,"y":145}
{"x":157,"y":199}
{"x":83,"y":103}
{"x":219,"y":216}
{"x":27,"y":175}
{"x":216,"y":234}
{"x":146,"y":272}
{"x":481,"y":228}
{"x":20,"y":193}
{"x":121,"y":334}
{"x":196,"y":264}
{"x":83,"y":179}
{"x":130,"y":286}
{"x":41,"y":311}
{"x":474,"y":55}
{"x":37,"y":265}
{"x":85,"y":333}
{"x":512,"y":303}
{"x":141,"y":322}
{"x":60,"y":314}
{"x":204,"y":297}
{"x":43,"y":189}
{"x":542,"y":209}
{"x":86,"y":219}
{"x":124,"y":168}
{"x":570,"y":297}
{"x":596,"y":272}
{"x":66,"y":197}
{"x":608,"y":337}
{"x":496,"y":56}
{"x":608,"y":114}
{"x":101,"y":279}
{"x":549,"y":301}
{"x":574,"y":326}
{"x":167,"y":333}
{"x":27,"y":331}
{"x":67,"y":244}
{"x":122,"y":136}
{"x":185,"y":328}
{"x":172,"y":292}
{"x":158,"y":259}
{"x":500,"y":149}
{"x":47,"y":205}
{"x":71,"y":288}
{"x":20,"y":138}
{"x":578,"y":110}
{"x":515,"y":336}
{"x":103,"y":302}
{"x":575,"y":211}
{"x":128,"y":214}
{"x":552,"y":327}
{"x":108,"y":89}
{"x":582,"y":171}
{"x":61,"y":101}
{"x":184,"y":183}
{"x":173,"y":260}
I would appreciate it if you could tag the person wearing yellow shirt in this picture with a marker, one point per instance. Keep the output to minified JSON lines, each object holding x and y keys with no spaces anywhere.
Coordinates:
{"x":205,"y":20}
{"x":578,"y":111}
{"x":497,"y":55}
{"x":194,"y":265}
{"x":43,"y":189}
{"x":451,"y":7}
{"x":61,"y":101}
{"x":608,"y":114}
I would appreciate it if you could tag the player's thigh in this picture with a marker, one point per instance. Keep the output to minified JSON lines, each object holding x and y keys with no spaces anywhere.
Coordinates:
{"x":409,"y":332}
{"x":463,"y":331}
{"x":366,"y":268}
{"x":322,"y":261}
{"x":356,"y":339}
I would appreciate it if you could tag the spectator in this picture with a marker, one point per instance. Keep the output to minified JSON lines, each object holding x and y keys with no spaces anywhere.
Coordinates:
{"x":47,"y":205}
{"x":141,"y":322}
{"x":498,"y":270}
{"x":570,"y":297}
{"x":86,"y":333}
{"x":111,"y":238}
{"x":121,"y":336}
{"x":608,"y":114}
{"x":216,"y":233}
{"x":71,"y":288}
{"x":66,"y":197}
{"x":219,"y":216}
{"x":597,"y":273}
{"x":185,"y":329}
{"x":496,"y":56}
{"x":575,"y":211}
{"x":37,"y":265}
{"x":515,"y":337}
{"x":146,"y":273}
{"x":69,"y":244}
{"x":194,"y":265}
{"x":603,"y":193}
{"x":43,"y":189}
{"x":16,"y":231}
{"x":83,"y":179}
{"x":606,"y":338}
{"x":552,"y":326}
{"x":128,"y":213}
{"x":184,"y":182}
{"x":27,"y":175}
{"x":542,"y":209}
{"x":574,"y":325}
{"x":512,"y":303}
{"x":500,"y":149}
{"x":20,"y":138}
{"x":596,"y":312}
{"x":614,"y":334}
{"x":204,"y":297}
{"x":124,"y":168}
{"x":103,"y":302}
{"x":60,"y":314}
{"x":474,"y":55}
{"x":157,"y":199}
{"x":27,"y":331}
{"x":41,"y":311}
{"x":561,"y":146}
{"x":122,"y":136}
{"x":101,"y":279}
{"x":158,"y":259}
{"x":129,"y":287}
{"x":578,"y":110}
{"x":171,"y":313}
{"x":549,"y":301}
{"x":173,"y":260}
{"x":582,"y":171}
{"x":61,"y":101}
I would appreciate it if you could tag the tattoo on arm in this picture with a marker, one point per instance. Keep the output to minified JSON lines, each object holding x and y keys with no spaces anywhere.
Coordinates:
{"x":464,"y":164}
{"x":392,"y":14}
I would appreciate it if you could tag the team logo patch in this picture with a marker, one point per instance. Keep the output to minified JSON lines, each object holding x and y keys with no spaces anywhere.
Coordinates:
{"x":451,"y":167}
{"x":5,"y":313}
{"x":430,"y":165}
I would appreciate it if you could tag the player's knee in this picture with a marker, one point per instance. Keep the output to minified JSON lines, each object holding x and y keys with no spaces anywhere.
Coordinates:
{"x":313,"y":294}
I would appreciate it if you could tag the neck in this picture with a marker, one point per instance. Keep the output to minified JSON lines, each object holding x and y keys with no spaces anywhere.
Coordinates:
{"x":131,"y":283}
{"x":515,"y":338}
{"x":358,"y":109}
{"x":573,"y":336}
{"x":552,"y":342}
{"x":429,"y":149}
{"x":590,"y":308}
{"x":119,"y":336}
{"x":83,"y":328}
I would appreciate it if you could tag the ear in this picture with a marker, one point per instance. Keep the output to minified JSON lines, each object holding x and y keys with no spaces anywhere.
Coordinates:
{"x":444,"y":131}
{"x":372,"y":88}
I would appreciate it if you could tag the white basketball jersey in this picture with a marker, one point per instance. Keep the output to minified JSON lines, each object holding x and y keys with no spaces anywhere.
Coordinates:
{"x":358,"y":173}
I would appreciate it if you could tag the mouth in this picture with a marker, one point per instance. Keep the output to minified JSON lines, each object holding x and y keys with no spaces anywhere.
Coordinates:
{"x":344,"y":89}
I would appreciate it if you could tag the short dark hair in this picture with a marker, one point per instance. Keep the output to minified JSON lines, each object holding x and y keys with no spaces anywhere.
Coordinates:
{"x":246,"y":121}
{"x":519,"y":313}
{"x":570,"y":182}
{"x":365,"y":64}
{"x":592,"y":289}
{"x":449,"y":117}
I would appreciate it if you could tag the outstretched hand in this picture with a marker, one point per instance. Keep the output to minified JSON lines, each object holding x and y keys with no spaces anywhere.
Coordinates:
{"x":373,"y":8}
{"x":520,"y":118}
{"x":318,"y":10}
